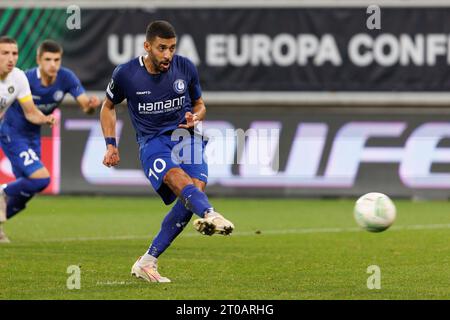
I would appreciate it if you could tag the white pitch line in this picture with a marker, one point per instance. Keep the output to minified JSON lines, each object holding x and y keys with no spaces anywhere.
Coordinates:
{"x":253,"y":233}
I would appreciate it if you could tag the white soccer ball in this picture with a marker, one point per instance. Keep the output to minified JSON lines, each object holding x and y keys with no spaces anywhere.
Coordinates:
{"x":374,"y":212}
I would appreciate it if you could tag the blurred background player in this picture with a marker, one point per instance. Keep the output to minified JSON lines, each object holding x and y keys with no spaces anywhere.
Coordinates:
{"x":149,"y":82}
{"x":14,"y":86}
{"x":21,"y":139}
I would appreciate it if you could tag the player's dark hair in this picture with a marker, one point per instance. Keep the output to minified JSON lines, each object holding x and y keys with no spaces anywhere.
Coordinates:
{"x":49,"y":46}
{"x":7,"y":39}
{"x":160,"y":28}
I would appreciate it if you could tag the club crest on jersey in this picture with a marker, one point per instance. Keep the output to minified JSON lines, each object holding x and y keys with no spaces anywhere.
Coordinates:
{"x":11,"y":90}
{"x":179,"y":86}
{"x":58,"y":95}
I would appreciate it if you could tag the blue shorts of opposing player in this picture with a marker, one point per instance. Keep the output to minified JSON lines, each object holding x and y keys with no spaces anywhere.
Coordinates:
{"x":24,"y":154}
{"x":162,"y":153}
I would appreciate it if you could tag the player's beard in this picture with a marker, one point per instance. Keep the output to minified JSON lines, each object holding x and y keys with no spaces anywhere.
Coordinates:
{"x":158,"y":65}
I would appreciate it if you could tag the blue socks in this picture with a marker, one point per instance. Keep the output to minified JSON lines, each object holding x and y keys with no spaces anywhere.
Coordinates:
{"x":26,"y":186}
{"x":171,"y":227}
{"x":195,"y":200}
{"x":191,"y":200}
{"x":16,"y":204}
{"x":21,"y":191}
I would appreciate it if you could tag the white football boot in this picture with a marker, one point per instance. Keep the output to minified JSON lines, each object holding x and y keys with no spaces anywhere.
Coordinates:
{"x":148,"y":272}
{"x":212,"y":223}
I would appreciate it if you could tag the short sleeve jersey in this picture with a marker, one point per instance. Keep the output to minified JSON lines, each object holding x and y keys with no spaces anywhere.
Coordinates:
{"x":157,"y":103}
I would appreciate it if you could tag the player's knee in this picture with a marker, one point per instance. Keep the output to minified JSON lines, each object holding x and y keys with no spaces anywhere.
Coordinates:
{"x":199,"y":184}
{"x":177,"y":178}
{"x":41,"y":173}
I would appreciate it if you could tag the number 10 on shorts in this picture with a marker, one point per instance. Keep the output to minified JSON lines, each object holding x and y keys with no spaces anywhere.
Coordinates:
{"x":158,"y":166}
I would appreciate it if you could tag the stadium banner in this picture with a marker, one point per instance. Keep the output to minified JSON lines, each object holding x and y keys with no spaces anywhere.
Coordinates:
{"x":281,"y":151}
{"x":256,"y":49}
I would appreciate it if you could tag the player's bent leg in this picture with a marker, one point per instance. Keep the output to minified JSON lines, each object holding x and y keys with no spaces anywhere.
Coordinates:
{"x":213,"y":222}
{"x":176,"y":179}
{"x":173,"y":224}
{"x":183,"y":187}
{"x":195,"y":200}
{"x":15,"y":195}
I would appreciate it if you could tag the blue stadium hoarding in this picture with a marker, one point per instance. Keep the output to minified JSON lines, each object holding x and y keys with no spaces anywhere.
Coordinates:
{"x":286,"y":151}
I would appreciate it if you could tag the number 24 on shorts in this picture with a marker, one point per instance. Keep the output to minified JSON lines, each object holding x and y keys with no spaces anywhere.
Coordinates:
{"x":28,"y":157}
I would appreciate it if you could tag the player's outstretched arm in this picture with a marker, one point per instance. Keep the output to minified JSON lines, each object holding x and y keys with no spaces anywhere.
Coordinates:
{"x":34,"y":115}
{"x":108,"y":122}
{"x":88,"y":104}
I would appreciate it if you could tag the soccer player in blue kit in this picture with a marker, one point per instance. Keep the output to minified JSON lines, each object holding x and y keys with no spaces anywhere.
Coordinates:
{"x":21,"y":139}
{"x":163,"y":94}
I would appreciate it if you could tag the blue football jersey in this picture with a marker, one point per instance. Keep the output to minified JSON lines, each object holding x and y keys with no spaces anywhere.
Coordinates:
{"x":46,"y":99}
{"x":157,"y":103}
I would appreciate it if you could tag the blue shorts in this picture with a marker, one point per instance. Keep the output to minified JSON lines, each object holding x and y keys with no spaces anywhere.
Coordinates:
{"x":160,"y":154}
{"x":24,"y":154}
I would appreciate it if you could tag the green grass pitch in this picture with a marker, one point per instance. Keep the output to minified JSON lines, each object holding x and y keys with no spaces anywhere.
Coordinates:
{"x":281,"y":249}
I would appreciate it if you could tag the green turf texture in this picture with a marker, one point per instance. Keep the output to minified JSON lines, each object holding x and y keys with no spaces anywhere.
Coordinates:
{"x":282,"y":249}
